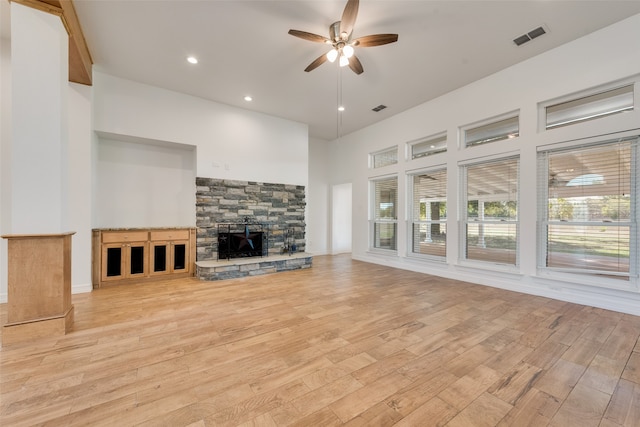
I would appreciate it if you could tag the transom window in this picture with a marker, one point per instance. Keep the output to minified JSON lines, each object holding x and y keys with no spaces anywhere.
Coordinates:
{"x":385,"y":157}
{"x":587,"y":205}
{"x":589,"y":107}
{"x":428,"y":146}
{"x":498,"y":130}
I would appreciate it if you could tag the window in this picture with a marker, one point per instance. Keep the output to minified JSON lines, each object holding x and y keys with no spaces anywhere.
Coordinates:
{"x":495,"y":131}
{"x":384,"y":158}
{"x":589,"y":107}
{"x":427,"y":147}
{"x":429,"y":213}
{"x":587,"y":208}
{"x":490,"y":211}
{"x":385,"y":219}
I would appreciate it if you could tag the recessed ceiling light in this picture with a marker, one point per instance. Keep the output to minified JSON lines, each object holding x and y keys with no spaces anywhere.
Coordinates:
{"x":248,"y":98}
{"x":192,"y":60}
{"x":341,"y":108}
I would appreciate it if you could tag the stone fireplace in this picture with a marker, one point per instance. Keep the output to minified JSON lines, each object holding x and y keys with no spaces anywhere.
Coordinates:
{"x":276,"y":210}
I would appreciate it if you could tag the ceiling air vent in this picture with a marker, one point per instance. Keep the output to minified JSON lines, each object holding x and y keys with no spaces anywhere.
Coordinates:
{"x":379,"y":108}
{"x":529,"y":36}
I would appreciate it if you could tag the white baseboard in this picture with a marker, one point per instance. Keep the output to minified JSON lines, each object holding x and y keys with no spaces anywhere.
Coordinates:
{"x":81,"y":289}
{"x":609,"y":299}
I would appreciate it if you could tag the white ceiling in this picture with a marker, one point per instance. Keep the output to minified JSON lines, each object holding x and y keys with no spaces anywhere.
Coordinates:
{"x":243,"y":48}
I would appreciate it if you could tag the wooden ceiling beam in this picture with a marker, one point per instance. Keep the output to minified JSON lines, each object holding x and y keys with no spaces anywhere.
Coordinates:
{"x":80,"y":62}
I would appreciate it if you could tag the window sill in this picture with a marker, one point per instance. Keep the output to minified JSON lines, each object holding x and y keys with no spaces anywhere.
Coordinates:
{"x":383,"y":252}
{"x":467,"y":265}
{"x":630,"y":285}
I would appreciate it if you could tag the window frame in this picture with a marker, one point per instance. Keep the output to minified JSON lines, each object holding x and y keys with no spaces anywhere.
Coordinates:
{"x":463,"y":214}
{"x":433,"y":139}
{"x":412,"y":221}
{"x":388,"y":150}
{"x":374,"y":221}
{"x":602,"y":278}
{"x":464,"y":130}
{"x":543,"y":125}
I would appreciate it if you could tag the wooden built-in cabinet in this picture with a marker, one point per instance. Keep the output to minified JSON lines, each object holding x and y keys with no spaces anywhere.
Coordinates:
{"x":129,"y":255}
{"x":169,"y":252}
{"x":124,"y":255}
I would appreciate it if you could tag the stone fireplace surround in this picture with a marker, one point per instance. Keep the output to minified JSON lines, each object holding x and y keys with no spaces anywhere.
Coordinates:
{"x":280,"y":207}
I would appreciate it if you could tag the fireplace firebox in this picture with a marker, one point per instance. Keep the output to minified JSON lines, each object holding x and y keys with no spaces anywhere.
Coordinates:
{"x":241,"y":240}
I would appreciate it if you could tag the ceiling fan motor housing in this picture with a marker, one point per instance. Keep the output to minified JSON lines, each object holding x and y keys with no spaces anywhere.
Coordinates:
{"x":334,"y":31}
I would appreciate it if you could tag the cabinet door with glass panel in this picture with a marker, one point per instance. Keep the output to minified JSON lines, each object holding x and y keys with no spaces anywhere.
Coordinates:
{"x":169,"y":252}
{"x":124,"y":255}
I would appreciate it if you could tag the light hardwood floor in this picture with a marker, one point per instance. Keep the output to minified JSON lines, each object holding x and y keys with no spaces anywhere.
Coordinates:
{"x":342,"y":343}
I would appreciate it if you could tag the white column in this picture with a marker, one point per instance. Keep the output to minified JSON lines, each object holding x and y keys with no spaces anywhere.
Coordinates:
{"x":39,"y":63}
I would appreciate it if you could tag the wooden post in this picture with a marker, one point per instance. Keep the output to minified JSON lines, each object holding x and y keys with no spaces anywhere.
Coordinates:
{"x":39,"y":286}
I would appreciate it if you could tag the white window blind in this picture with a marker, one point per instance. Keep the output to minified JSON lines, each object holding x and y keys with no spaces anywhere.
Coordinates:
{"x":490,"y":219}
{"x":589,"y":107}
{"x":384,"y":158}
{"x":429,"y":213}
{"x":428,"y":147}
{"x":588,"y":208}
{"x":491,"y":132}
{"x":385,"y":219}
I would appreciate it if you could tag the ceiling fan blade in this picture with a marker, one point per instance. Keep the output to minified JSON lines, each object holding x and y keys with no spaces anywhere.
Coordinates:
{"x":375,"y":40}
{"x":349,"y":16}
{"x":309,"y":36}
{"x":316,"y":63}
{"x":355,"y":65}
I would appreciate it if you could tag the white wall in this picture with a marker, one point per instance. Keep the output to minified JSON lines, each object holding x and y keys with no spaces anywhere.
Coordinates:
{"x":39,"y":137}
{"x":153,"y":143}
{"x":231,"y":143}
{"x":317,"y":212}
{"x":80,"y":169}
{"x":341,"y":196}
{"x":596,"y":59}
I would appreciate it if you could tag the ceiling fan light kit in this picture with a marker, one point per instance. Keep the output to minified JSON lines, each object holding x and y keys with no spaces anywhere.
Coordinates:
{"x":340,"y":38}
{"x":348,"y":51}
{"x":332,"y":55}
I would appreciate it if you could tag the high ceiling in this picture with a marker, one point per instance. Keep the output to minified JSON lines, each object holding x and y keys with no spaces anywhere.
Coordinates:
{"x":244,"y":49}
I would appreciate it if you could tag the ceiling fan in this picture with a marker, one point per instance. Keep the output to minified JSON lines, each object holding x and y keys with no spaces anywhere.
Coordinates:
{"x":340,"y":39}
